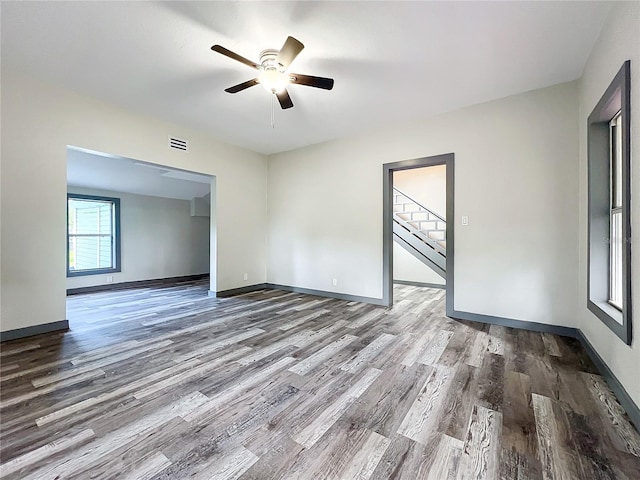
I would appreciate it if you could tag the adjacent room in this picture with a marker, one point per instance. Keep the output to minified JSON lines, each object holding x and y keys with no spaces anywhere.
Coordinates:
{"x":160,"y":229}
{"x":340,"y":240}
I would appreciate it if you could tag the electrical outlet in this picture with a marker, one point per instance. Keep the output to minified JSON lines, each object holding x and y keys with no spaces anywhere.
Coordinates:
{"x":335,"y":282}
{"x":109,"y":278}
{"x":246,"y":276}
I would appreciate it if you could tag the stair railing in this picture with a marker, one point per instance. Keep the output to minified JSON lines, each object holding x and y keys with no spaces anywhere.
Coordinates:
{"x":419,"y":232}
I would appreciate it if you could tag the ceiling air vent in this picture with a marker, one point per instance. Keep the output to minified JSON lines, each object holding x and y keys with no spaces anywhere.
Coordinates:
{"x":178,"y":144}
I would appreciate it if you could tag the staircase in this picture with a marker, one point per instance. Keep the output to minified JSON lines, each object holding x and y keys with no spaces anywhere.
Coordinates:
{"x":420,"y":231}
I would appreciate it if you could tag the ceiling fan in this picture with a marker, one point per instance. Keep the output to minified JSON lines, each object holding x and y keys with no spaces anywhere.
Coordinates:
{"x":273,"y":74}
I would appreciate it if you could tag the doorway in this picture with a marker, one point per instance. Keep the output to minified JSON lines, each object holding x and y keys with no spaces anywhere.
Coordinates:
{"x":132,"y":223}
{"x":423,"y":230}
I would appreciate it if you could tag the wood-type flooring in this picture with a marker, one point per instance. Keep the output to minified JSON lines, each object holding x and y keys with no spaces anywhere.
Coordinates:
{"x":167,"y":383}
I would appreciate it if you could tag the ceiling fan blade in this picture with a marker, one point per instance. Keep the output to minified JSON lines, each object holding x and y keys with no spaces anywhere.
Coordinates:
{"x":242,"y":86}
{"x":284,"y":99}
{"x":311,"y":81}
{"x":289,"y":51}
{"x":235,"y":56}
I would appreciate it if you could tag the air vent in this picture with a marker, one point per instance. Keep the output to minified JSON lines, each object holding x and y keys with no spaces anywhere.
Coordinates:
{"x":178,"y":144}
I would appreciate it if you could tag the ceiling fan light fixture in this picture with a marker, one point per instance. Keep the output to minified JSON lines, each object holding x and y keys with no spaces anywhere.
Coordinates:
{"x":273,"y":80}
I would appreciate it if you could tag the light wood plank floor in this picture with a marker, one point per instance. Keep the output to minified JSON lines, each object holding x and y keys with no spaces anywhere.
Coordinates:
{"x":166,"y":383}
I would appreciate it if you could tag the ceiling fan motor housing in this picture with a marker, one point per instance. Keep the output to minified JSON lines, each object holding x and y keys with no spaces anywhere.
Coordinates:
{"x":269,"y":60}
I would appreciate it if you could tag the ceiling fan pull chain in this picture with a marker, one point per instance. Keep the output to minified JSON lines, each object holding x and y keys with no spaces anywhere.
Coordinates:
{"x":273,"y":118}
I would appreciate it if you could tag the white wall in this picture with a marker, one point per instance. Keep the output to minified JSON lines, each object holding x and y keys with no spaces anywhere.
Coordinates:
{"x":619,"y":41}
{"x":38,"y":122}
{"x":159,"y":239}
{"x":408,"y":268}
{"x":515,"y":175}
{"x":427,"y":185}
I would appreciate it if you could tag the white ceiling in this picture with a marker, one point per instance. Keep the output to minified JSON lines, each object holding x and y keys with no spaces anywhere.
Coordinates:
{"x":108,"y":172}
{"x":392,"y":62}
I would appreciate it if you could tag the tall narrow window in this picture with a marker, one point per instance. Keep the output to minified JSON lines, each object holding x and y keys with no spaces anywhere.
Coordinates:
{"x":93,"y":225}
{"x":615,"y":213}
{"x":609,"y":202}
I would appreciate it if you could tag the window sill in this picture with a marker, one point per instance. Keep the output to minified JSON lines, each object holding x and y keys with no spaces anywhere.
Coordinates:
{"x":98,"y":271}
{"x":610,"y":316}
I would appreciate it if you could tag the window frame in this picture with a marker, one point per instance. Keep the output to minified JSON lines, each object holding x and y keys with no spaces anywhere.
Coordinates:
{"x":115,"y":235}
{"x":601,"y":206}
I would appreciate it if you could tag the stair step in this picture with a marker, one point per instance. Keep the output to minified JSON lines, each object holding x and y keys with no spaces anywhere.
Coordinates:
{"x":416,"y":214}
{"x":410,"y":206}
{"x":421,"y":216}
{"x":426,"y":225}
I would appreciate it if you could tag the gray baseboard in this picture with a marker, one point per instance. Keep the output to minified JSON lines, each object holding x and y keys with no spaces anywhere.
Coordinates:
{"x":621,"y":394}
{"x":420,"y":284}
{"x":61,"y":325}
{"x":287,"y":288}
{"x":519,"y":324}
{"x":322,"y":293}
{"x":238,"y":291}
{"x":135,"y":284}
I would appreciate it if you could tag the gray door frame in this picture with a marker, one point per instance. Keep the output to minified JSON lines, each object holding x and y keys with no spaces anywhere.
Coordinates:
{"x":446,"y":159}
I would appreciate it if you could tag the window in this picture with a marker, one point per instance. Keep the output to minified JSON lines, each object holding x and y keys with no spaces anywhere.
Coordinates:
{"x":615,"y":212}
{"x":93,"y":235}
{"x":609,"y":186}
